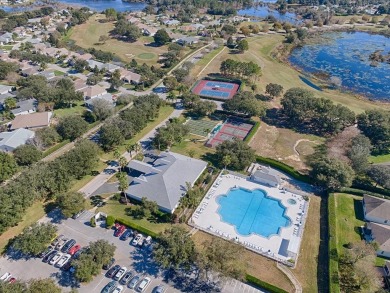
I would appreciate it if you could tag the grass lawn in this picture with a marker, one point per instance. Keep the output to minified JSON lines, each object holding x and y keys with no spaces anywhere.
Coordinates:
{"x":260,"y":267}
{"x":77,"y":108}
{"x":284,"y":145}
{"x":6,"y":47}
{"x":379,"y":159}
{"x":165,"y":111}
{"x":192,"y":145}
{"x":205,"y":60}
{"x":306,"y":269}
{"x":118,"y":210}
{"x":260,"y":49}
{"x":32,"y":214}
{"x":87,"y":36}
{"x":58,"y":73}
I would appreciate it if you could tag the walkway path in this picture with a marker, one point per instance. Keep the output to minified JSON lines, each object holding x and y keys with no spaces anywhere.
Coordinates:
{"x":292,"y":278}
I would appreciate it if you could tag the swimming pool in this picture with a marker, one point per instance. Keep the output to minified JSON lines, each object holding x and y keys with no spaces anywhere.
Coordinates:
{"x":252,"y":212}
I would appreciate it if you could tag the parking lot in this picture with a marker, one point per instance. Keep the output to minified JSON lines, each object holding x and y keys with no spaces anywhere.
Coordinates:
{"x":135,"y":259}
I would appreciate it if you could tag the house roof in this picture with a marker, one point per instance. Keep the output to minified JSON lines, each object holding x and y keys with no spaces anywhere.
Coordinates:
{"x":381,"y":234}
{"x":26,"y":105}
{"x":79,"y":84}
{"x":3,"y":97}
{"x":164,"y":180}
{"x":13,"y":139}
{"x":126,"y":74}
{"x":5,"y":89}
{"x":106,"y":97}
{"x":93,"y":91}
{"x":377,"y":207}
{"x":266,"y":176}
{"x":33,"y":120}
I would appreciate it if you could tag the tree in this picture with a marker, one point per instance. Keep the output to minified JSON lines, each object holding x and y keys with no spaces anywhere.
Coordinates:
{"x":245,"y":103}
{"x":230,"y":42}
{"x":226,"y":161}
{"x":168,"y":135}
{"x":43,"y":285}
{"x":71,"y":127}
{"x":45,"y":137}
{"x":175,"y":249}
{"x":203,"y":108}
{"x":359,"y":152}
{"x":375,"y":124}
{"x":102,"y":108}
{"x":332,"y":173}
{"x":274,"y":90}
{"x":34,"y":239}
{"x":110,"y":136}
{"x":80,"y":65}
{"x":27,"y":154}
{"x":7,"y":67}
{"x":229,"y":29}
{"x":115,"y":80}
{"x":71,"y":203}
{"x":380,"y":174}
{"x":65,"y":92}
{"x":161,"y":37}
{"x":111,"y":14}
{"x":8,"y":166}
{"x":242,"y":46}
{"x":103,"y":39}
{"x":245,"y":30}
{"x":10,"y":103}
{"x":123,"y":183}
{"x":122,"y":162}
{"x":170,"y":83}
{"x":241,"y":155}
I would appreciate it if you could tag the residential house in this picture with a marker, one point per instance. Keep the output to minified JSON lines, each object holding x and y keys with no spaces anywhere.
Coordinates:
{"x":184,"y":41}
{"x":4,"y":89}
{"x":134,"y":20}
{"x":92,"y":91}
{"x":3,"y":97}
{"x":106,"y":66}
{"x":29,"y":71}
{"x":25,"y":107}
{"x":106,"y":97}
{"x":171,"y":22}
{"x":49,"y":74}
{"x":147,"y":30}
{"x":164,"y":179}
{"x":376,"y":209}
{"x":381,"y":235}
{"x":130,"y":77}
{"x":32,"y":121}
{"x":10,"y":140}
{"x":79,"y":84}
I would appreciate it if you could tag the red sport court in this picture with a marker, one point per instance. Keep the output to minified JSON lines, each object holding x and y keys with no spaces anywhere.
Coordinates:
{"x":215,"y":89}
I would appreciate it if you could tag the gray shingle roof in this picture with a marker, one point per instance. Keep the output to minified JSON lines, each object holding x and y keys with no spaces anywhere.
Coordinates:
{"x":164,"y":181}
{"x":381,"y":234}
{"x":11,"y":140}
{"x":377,"y":207}
{"x":26,"y":105}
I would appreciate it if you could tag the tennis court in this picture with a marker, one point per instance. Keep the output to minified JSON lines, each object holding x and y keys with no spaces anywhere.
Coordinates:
{"x":215,"y":89}
{"x":230,"y":129}
{"x":201,"y":127}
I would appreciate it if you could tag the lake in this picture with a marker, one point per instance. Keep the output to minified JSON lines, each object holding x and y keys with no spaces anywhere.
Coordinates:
{"x":264,"y":11}
{"x":344,"y":56}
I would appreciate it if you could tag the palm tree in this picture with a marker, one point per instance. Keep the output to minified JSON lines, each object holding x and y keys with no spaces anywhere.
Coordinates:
{"x":226,"y":160}
{"x":123,"y":183}
{"x":182,"y":88}
{"x":130,"y":148}
{"x":117,"y":154}
{"x":122,"y":163}
{"x":171,"y":96}
{"x":137,"y":147}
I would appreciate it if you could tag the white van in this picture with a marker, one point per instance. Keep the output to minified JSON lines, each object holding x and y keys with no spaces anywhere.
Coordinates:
{"x":143,"y":285}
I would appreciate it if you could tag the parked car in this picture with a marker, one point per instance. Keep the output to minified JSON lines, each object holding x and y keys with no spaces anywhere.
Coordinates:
{"x":126,"y":278}
{"x":109,"y":264}
{"x":74,"y":249}
{"x":5,"y":277}
{"x":49,"y":256}
{"x":68,"y":245}
{"x":111,"y":272}
{"x":55,"y":241}
{"x":119,"y":231}
{"x":120,"y":273}
{"x":126,"y":235}
{"x":46,"y":252}
{"x":148,"y":240}
{"x":137,"y":239}
{"x":55,"y":258}
{"x":80,"y":251}
{"x":133,"y":282}
{"x":61,"y":243}
{"x":75,"y":216}
{"x":159,"y":289}
{"x":144,"y":284}
{"x":63,"y":260}
{"x":118,"y":289}
{"x":12,"y":280}
{"x":109,"y":287}
{"x":67,"y":266}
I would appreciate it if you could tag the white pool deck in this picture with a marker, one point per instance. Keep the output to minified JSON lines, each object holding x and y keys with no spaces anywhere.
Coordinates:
{"x":207,"y":218}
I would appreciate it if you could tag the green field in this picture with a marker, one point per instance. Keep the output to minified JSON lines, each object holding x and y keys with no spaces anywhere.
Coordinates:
{"x":380,"y":159}
{"x":201,"y":127}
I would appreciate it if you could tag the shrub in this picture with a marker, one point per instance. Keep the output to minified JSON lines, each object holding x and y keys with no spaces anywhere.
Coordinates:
{"x":93,"y":222}
{"x":136,"y":227}
{"x":349,"y":245}
{"x":110,"y":220}
{"x":252,"y":132}
{"x":264,"y":285}
{"x":360,"y":192}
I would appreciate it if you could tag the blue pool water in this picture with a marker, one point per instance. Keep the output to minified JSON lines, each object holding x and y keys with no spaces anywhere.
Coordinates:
{"x":252,"y":212}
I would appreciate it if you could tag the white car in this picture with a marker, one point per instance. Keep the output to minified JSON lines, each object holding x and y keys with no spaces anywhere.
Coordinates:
{"x":61,"y":243}
{"x":55,"y":258}
{"x":120,"y":273}
{"x":118,"y":289}
{"x":144,"y":284}
{"x":63,"y":260}
{"x":137,"y":239}
{"x":5,"y":277}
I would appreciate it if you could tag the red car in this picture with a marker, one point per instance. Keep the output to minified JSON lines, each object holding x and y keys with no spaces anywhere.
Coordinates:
{"x":12,"y":280}
{"x":74,"y":249}
{"x":119,"y":231}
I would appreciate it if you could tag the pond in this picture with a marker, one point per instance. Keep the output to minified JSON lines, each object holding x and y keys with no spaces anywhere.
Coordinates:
{"x":264,"y":11}
{"x":344,"y":57}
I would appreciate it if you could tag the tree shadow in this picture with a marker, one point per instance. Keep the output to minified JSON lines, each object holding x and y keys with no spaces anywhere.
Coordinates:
{"x":358,"y":209}
{"x":144,"y":263}
{"x":55,"y":216}
{"x":16,"y":255}
{"x":66,"y":279}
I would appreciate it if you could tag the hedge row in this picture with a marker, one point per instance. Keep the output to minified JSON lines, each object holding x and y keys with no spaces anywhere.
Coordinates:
{"x":252,"y":132}
{"x":361,"y":192}
{"x":263,"y":285}
{"x":334,"y":284}
{"x":136,"y":227}
{"x":371,"y":189}
{"x":284,"y":167}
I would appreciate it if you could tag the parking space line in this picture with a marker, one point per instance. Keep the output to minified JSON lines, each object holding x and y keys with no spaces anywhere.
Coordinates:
{"x":99,"y":283}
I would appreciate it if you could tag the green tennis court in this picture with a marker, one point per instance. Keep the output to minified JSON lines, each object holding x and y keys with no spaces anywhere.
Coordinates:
{"x":201,"y":127}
